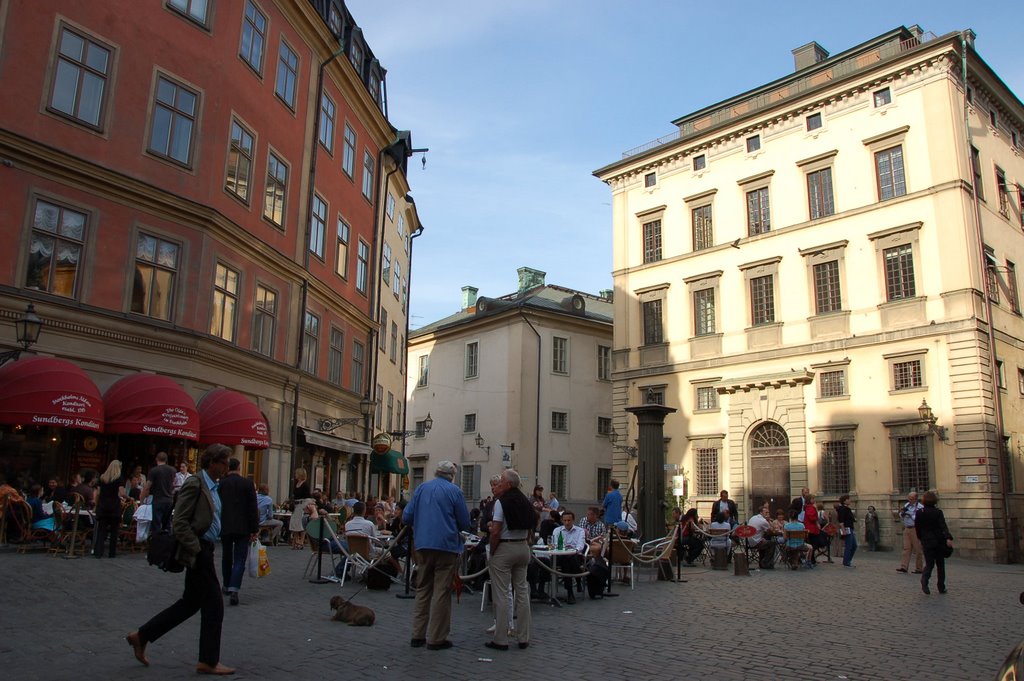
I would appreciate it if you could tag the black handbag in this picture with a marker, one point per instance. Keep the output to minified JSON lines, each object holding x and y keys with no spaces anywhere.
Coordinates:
{"x":162,"y":552}
{"x":945,"y":550}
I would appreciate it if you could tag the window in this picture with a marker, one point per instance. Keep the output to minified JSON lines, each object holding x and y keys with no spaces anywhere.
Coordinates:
{"x":559,"y":480}
{"x":707,"y":471}
{"x":758,"y":217}
{"x":264,"y":321}
{"x":652,"y":241}
{"x":827,"y":296}
{"x":394,"y":342}
{"x":912,"y":464}
{"x":704,"y":311}
{"x":389,"y":206}
{"x":334,"y":21}
{"x":396,"y":280}
{"x":560,"y":421}
{"x":813,"y":121}
{"x":254,"y":33}
{"x":604,"y":363}
{"x":707,"y":398}
{"x":80,"y":78}
{"x":193,"y":9}
{"x":882,"y":97}
{"x":819,"y":193}
{"x":762,"y":300}
{"x":652,"y":322}
{"x":421,"y":428}
{"x":899,"y":272}
{"x":156,"y":267}
{"x":382,"y":338}
{"x":318,"y":227}
{"x":469,"y":481}
{"x":650,"y":180}
{"x":653,"y":395}
{"x":469,"y":423}
{"x":348,"y":155}
{"x":993,"y":121}
{"x":1000,"y":375}
{"x":341,"y":264}
{"x":380,"y":406}
{"x":326,"y":132}
{"x":832,"y":383}
{"x":699,"y":162}
{"x":368,"y":165}
{"x":356,"y":379}
{"x":604,"y":425}
{"x":753,"y":144}
{"x":979,"y":187}
{"x":58,"y":239}
{"x":703,"y":236}
{"x":355,"y":55}
{"x":385,"y":272}
{"x":472,"y":360}
{"x":1003,"y":192}
{"x":891,"y":180}
{"x":277,"y":186}
{"x":907,"y":375}
{"x":240,"y":154}
{"x":604,"y":482}
{"x":174,"y":117}
{"x":1012,"y":295}
{"x":423,"y":373}
{"x":225,"y":303}
{"x":560,"y":355}
{"x":991,"y":275}
{"x":1020,"y":381}
{"x":1020,"y":204}
{"x":835,"y":467}
{"x":311,"y":341}
{"x":287,"y":74}
{"x":362,"y":266}
{"x":390,"y":417}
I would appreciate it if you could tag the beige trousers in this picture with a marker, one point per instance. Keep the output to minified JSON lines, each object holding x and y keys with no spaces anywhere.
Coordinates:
{"x":508,"y":567}
{"x":911,"y":544}
{"x":432,"y":614}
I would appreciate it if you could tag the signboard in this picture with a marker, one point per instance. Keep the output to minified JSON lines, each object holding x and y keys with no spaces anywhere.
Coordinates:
{"x":381,"y":443}
{"x":506,"y":457}
{"x":678,"y":486}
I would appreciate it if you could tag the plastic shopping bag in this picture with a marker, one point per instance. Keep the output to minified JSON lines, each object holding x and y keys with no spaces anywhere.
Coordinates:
{"x":253,"y":560}
{"x":264,"y":563}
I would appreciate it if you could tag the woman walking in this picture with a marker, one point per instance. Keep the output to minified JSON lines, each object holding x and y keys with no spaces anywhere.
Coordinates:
{"x":108,"y":508}
{"x":936,"y":541}
{"x":846,"y":520}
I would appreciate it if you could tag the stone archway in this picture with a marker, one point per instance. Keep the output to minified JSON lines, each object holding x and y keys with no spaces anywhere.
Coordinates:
{"x":769,"y":467}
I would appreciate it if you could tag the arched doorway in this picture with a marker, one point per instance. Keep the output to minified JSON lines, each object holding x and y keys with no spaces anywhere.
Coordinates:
{"x":769,"y":467}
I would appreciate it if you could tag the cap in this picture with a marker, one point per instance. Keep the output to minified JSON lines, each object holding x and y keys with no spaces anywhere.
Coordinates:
{"x":446,"y":468}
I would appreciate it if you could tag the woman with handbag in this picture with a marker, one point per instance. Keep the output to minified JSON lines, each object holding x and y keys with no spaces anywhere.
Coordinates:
{"x":936,"y":541}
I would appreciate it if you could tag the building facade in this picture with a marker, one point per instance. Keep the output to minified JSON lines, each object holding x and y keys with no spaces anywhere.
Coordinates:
{"x":820,"y":274}
{"x":521,"y":381}
{"x":193,"y":190}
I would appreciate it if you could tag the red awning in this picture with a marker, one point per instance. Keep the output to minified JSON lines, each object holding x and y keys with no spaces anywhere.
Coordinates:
{"x":150,"y":405}
{"x":232,"y":419}
{"x":43,"y":391}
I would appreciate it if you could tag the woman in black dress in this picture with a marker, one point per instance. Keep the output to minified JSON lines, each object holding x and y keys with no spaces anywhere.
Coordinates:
{"x":108,"y":508}
{"x":936,"y":540}
{"x":300,"y":493}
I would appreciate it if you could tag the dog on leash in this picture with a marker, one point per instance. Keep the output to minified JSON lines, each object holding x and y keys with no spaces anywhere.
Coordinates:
{"x":353,"y":615}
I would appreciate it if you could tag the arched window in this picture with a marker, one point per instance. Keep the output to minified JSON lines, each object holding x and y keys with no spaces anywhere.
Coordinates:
{"x":767,"y":437}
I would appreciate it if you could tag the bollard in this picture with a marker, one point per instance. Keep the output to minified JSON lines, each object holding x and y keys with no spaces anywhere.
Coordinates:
{"x":739,"y":564}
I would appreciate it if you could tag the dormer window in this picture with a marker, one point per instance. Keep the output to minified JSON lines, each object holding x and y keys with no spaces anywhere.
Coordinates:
{"x":650,"y":180}
{"x":699,"y":162}
{"x":753,"y":144}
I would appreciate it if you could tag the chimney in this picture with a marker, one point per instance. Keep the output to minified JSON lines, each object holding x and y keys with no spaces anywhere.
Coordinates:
{"x":809,"y":55}
{"x":469,"y":297}
{"x":607,"y":294}
{"x":529,"y":278}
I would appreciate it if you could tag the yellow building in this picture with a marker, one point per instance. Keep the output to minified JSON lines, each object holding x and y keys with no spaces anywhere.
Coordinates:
{"x":802,"y":271}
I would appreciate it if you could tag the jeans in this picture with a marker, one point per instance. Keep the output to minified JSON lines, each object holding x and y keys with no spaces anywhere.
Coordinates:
{"x":235,"y":552}
{"x":161,"y":515}
{"x":849,"y":548}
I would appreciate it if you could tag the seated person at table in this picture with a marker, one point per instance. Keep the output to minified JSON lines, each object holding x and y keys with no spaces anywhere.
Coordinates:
{"x":573,"y":539}
{"x":692,"y":539}
{"x":796,"y":544}
{"x":359,"y":524}
{"x":765,"y":547}
{"x":593,"y":526}
{"x":629,"y":517}
{"x":41,"y":520}
{"x":265,"y":506}
{"x":547,"y":526}
{"x":721,"y":541}
{"x":82,"y":485}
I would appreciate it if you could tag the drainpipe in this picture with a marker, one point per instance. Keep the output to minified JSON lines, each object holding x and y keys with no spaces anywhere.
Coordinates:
{"x":405,"y":354}
{"x":997,"y":399}
{"x":536,"y":439}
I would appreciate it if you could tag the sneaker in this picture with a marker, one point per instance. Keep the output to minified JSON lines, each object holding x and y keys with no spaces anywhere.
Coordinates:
{"x":490,"y":629}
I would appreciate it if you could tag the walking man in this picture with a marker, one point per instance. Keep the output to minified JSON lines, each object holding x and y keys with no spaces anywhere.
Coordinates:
{"x":161,"y":486}
{"x":437,"y":514}
{"x":239,"y":527}
{"x":196,"y":526}
{"x":511,"y":530}
{"x":911,"y":544}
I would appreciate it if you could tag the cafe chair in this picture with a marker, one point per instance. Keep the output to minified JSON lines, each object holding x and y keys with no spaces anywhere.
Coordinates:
{"x":793,"y":556}
{"x":128,"y":529}
{"x":316,"y":528}
{"x":829,"y":532}
{"x":32,"y":538}
{"x":619,"y":558}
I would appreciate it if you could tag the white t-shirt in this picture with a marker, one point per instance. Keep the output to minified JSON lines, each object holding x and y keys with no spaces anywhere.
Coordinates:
{"x":759,"y":523}
{"x":360,"y":525}
{"x":720,"y":541}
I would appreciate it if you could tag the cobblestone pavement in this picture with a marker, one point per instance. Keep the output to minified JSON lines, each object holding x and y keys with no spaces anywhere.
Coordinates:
{"x":65,"y":619}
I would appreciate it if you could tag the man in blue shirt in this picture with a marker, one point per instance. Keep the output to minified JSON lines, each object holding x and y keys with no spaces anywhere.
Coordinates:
{"x":265,"y":504}
{"x":437,"y":515}
{"x":612,"y":505}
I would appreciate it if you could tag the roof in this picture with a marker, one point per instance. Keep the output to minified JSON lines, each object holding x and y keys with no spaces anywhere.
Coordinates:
{"x":547,"y":298}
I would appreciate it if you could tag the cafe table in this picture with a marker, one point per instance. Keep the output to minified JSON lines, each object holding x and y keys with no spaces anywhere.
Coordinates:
{"x":542,"y":551}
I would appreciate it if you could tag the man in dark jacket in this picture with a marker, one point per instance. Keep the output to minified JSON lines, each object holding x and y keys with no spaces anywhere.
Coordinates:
{"x":240,"y":525}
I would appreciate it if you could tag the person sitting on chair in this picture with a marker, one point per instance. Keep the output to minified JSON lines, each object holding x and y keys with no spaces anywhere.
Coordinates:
{"x":593,"y":526}
{"x":265,"y":504}
{"x":359,"y":524}
{"x":573,"y":538}
{"x":765,"y":547}
{"x":720,"y":541}
{"x":796,"y":545}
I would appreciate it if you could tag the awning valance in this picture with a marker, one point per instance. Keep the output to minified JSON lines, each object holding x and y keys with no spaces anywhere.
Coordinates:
{"x":389,"y":462}
{"x":334,"y":442}
{"x":232,"y":419}
{"x":150,"y":405}
{"x":44,"y":391}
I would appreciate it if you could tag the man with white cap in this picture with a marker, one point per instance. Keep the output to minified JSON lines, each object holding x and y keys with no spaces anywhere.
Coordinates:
{"x":437,"y":515}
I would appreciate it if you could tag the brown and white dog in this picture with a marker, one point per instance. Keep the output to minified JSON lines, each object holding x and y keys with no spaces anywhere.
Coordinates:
{"x":353,"y":615}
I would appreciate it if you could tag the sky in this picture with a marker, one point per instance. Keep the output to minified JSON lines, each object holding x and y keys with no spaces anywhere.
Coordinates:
{"x":519,"y":102}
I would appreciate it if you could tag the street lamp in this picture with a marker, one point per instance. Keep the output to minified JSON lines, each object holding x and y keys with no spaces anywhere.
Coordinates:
{"x":27,"y":328}
{"x":366,"y":407}
{"x":428,"y":423}
{"x":925,"y":412}
{"x":613,"y":437}
{"x":480,"y":443}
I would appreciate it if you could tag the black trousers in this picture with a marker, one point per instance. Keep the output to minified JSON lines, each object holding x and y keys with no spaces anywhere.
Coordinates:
{"x":202,"y":594}
{"x":933,"y":558}
{"x":106,"y":530}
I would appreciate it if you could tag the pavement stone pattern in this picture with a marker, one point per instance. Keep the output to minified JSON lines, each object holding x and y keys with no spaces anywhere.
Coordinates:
{"x":66,"y":619}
